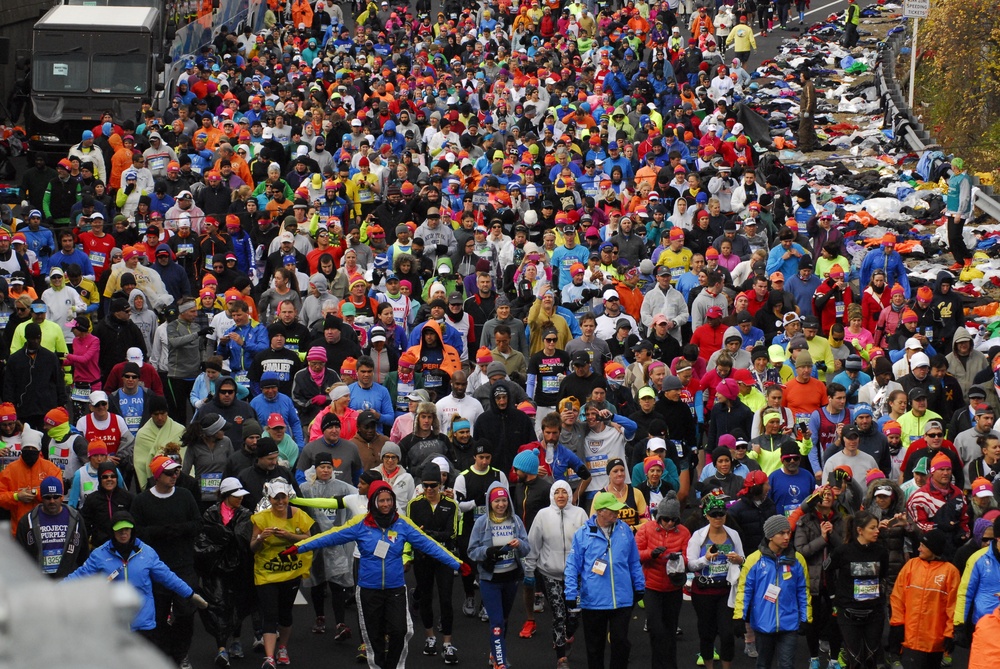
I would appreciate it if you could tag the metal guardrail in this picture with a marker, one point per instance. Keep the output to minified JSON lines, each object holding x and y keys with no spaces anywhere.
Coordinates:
{"x":904,"y":123}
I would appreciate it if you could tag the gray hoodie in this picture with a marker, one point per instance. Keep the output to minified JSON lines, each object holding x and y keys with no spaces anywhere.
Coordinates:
{"x":741,"y":360}
{"x":144,"y":318}
{"x":312,"y":305}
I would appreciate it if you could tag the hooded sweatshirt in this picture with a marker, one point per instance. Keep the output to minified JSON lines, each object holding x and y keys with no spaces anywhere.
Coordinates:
{"x":965,"y":369}
{"x":144,"y":318}
{"x":312,"y":305}
{"x":551,"y":535}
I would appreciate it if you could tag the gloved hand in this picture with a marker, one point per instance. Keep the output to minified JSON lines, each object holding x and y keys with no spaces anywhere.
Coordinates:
{"x":441,"y":250}
{"x":572,"y":605}
{"x":637,"y":596}
{"x":320,"y":400}
{"x":129,"y":189}
{"x":896,"y":635}
{"x":658,"y":551}
{"x":465,"y":569}
{"x":494,"y":553}
{"x":291,"y":550}
{"x":529,"y":581}
{"x":205,"y":332}
{"x":199,"y":601}
{"x":949,"y":645}
{"x":962,"y":636}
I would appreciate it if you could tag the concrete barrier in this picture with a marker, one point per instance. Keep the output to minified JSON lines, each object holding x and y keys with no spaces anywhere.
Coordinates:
{"x":901,"y":117}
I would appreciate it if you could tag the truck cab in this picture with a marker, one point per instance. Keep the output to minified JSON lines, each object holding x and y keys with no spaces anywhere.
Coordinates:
{"x":87,"y":60}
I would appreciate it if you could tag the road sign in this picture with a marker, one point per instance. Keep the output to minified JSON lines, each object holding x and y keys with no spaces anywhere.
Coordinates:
{"x":916,"y":9}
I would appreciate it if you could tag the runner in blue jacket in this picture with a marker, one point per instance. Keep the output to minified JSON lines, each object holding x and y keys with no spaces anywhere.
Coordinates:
{"x":772,"y":594}
{"x":381,"y":536}
{"x":126,"y":559}
{"x":603,"y":571}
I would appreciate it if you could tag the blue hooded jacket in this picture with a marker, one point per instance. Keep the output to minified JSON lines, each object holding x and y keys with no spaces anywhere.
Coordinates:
{"x":142,"y":569}
{"x":622,"y":575}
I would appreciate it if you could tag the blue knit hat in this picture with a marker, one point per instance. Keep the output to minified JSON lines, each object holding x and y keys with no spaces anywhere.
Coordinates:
{"x":527,"y":461}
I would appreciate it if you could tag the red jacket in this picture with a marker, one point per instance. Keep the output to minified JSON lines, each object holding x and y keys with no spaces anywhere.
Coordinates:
{"x":834,"y":309}
{"x":872,"y":306}
{"x":650,"y":536}
{"x":708,"y":339}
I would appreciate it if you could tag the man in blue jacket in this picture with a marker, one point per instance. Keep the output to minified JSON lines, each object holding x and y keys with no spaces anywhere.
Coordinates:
{"x":887,"y":259}
{"x":603,"y":572}
{"x":772,"y":595}
{"x":127,"y":559}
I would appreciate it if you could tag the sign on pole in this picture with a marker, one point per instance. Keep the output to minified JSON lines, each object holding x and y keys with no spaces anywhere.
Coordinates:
{"x":916,"y":9}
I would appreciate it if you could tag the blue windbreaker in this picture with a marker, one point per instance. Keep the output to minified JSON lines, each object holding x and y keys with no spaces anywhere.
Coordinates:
{"x":622,"y":577}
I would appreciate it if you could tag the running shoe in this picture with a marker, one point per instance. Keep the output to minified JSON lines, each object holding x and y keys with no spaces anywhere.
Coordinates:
{"x":342,"y":632}
{"x":528,"y":630}
{"x":281,"y":657}
{"x":320,"y":626}
{"x":236,"y":649}
{"x":450,"y":654}
{"x":431,"y":646}
{"x":222,"y":659}
{"x":750,"y":649}
{"x":539,"y":604}
{"x":469,"y":607}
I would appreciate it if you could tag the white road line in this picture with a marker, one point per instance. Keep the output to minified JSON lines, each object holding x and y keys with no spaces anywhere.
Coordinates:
{"x":793,"y":14}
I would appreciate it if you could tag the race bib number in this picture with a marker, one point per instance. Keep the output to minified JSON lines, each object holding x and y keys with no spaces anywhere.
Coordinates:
{"x":865,"y":589}
{"x":210,"y":483}
{"x":772,"y":592}
{"x":381,"y":549}
{"x":432,"y":380}
{"x":243,"y":379}
{"x":550,"y":385}
{"x":597,"y":463}
{"x":50,"y":560}
{"x":4,"y":319}
{"x":97,"y":258}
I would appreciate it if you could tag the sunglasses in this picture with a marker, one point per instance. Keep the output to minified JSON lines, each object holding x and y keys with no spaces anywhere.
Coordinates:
{"x":109,"y":477}
{"x":934,"y":435}
{"x":101,"y":404}
{"x":52,"y":496}
{"x":431,"y":484}
{"x":791,"y":458}
{"x":551,"y":339}
{"x":172,"y":472}
{"x":227,"y":392}
{"x":129,"y":376}
{"x":716,"y":514}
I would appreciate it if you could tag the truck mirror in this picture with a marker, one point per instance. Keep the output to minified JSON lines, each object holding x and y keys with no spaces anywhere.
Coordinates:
{"x":159,"y":86}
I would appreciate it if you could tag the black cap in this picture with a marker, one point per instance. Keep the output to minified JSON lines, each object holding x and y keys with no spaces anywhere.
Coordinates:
{"x":455,"y":298}
{"x":851,"y":432}
{"x":265,"y":446}
{"x":644,"y":345}
{"x":917,"y":393}
{"x":623,"y":323}
{"x":580,"y":358}
{"x":976,"y":391}
{"x":936,"y":541}
{"x":810,"y":322}
{"x":367,"y":417}
{"x":483,"y":446}
{"x":323,"y":459}
{"x":744,"y":317}
{"x":329,"y":420}
{"x":431,"y":472}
